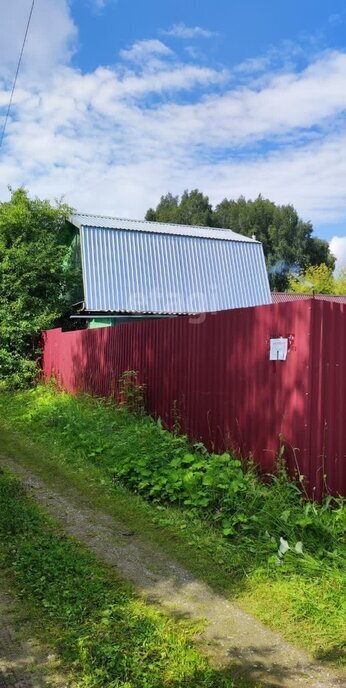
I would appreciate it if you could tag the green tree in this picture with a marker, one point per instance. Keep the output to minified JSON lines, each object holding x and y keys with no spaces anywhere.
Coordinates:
{"x":36,"y":276}
{"x":195,"y":209}
{"x":192,"y":209}
{"x":340,"y":282}
{"x":287,"y":240}
{"x":318,"y":279}
{"x":166,"y":210}
{"x":315,"y":279}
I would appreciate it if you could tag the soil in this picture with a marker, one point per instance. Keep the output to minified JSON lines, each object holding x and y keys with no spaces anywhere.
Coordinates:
{"x":23,"y":661}
{"x":231,"y":637}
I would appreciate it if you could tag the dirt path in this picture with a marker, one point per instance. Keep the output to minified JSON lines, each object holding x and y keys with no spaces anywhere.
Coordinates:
{"x":23,"y":663}
{"x":231,"y":637}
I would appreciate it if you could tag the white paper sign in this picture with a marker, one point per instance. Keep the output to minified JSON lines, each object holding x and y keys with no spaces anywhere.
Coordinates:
{"x":278,"y":349}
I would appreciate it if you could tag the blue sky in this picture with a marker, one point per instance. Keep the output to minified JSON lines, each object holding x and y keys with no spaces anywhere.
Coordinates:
{"x":243,"y":28}
{"x":120,"y":101}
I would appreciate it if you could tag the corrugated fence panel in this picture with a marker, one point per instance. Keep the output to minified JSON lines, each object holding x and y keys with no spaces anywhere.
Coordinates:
{"x":212,"y":374}
{"x":328,"y":394}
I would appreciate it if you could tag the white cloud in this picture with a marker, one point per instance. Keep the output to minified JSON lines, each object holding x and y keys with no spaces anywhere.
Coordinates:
{"x":101,"y":4}
{"x":180,"y":30}
{"x":338,"y":248}
{"x":289,"y":102}
{"x":51,"y":39}
{"x":253,"y":65}
{"x":143,"y":50}
{"x":101,"y":140}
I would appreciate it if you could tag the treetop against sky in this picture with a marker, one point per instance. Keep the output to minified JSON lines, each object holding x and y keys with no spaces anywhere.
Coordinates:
{"x":120,"y":102}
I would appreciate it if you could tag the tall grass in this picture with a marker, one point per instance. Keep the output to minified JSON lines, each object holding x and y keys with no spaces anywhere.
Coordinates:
{"x":270,"y":540}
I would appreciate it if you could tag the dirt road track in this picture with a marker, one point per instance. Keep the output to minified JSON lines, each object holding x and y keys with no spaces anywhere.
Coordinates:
{"x":231,"y":637}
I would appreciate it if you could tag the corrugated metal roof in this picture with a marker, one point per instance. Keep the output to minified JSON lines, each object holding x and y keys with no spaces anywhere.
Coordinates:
{"x":169,"y":273}
{"x":281,"y":297}
{"x":83,"y":220}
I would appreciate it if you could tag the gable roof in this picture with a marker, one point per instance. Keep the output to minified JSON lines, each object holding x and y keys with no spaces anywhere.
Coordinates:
{"x":134,"y":266}
{"x":84,"y":220}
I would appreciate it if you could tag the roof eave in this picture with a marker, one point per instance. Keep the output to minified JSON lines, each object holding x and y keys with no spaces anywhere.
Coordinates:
{"x":99,"y":222}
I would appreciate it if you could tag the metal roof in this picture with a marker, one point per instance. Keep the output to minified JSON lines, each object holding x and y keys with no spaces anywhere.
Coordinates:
{"x":147,"y":267}
{"x":84,"y":220}
{"x":282,"y":297}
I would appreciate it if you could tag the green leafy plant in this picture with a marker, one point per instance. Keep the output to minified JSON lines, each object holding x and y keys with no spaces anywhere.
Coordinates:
{"x":38,"y":281}
{"x":135,"y":451}
{"x":131,"y":392}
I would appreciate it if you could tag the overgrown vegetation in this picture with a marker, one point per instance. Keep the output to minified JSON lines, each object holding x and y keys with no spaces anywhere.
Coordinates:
{"x":318,"y":279}
{"x":131,"y":393}
{"x":266,"y":539}
{"x":102,"y":631}
{"x":38,"y":281}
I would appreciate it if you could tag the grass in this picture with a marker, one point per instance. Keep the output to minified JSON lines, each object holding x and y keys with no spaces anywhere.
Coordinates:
{"x":230,"y":536}
{"x":104,"y":634}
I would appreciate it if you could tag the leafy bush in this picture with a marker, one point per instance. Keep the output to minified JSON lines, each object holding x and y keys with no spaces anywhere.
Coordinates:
{"x":230,"y":495}
{"x":137,"y":452}
{"x":36,"y":276}
{"x":131,"y":392}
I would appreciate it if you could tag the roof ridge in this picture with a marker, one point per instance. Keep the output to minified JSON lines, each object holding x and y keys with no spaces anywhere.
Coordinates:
{"x":155,"y":222}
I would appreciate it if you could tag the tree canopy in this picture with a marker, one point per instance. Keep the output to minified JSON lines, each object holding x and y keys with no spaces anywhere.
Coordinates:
{"x":36,"y":277}
{"x":193,"y":208}
{"x":287,"y":240}
{"x":318,"y":279}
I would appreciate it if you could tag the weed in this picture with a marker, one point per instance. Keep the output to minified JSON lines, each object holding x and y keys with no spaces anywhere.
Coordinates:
{"x":259,"y":536}
{"x":131,"y":392}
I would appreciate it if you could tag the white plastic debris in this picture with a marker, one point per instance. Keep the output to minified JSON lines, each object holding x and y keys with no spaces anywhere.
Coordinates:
{"x":284,"y":547}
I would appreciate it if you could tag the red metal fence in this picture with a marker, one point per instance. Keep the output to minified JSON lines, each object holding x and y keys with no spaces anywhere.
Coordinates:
{"x":218,"y":376}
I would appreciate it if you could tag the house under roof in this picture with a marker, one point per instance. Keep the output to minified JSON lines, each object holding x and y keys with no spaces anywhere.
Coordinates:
{"x":138,"y":267}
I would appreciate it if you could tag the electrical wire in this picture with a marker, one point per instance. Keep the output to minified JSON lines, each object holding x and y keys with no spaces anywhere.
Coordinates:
{"x":17,"y":72}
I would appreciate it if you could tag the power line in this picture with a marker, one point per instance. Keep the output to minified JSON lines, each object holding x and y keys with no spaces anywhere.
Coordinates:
{"x":17,"y":72}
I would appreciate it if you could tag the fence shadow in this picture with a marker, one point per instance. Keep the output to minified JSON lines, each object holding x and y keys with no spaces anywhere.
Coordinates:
{"x":215,"y":381}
